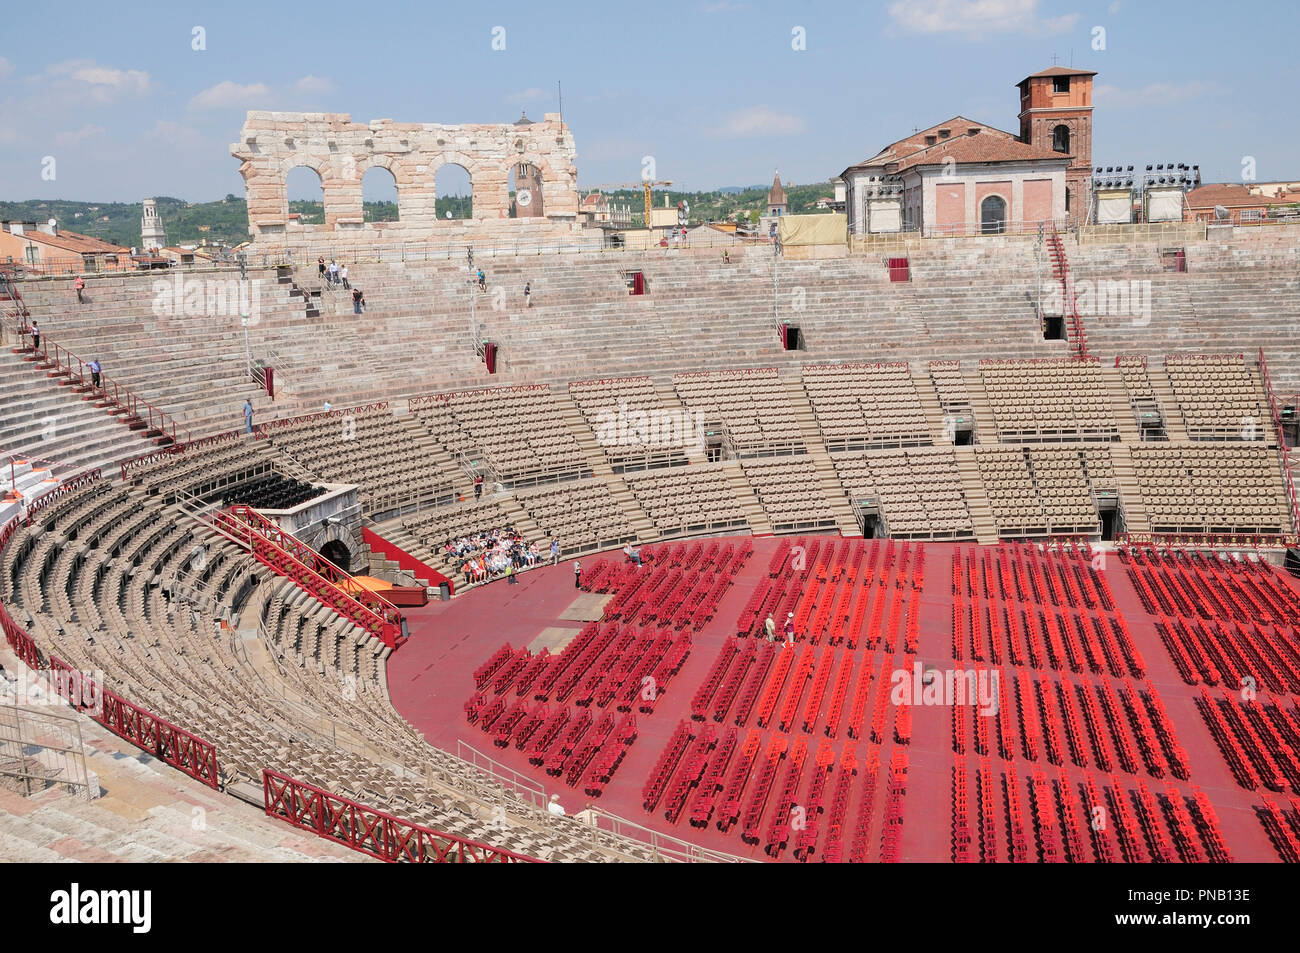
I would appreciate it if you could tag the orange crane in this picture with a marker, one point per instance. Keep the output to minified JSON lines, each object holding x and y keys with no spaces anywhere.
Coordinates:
{"x":645,"y":184}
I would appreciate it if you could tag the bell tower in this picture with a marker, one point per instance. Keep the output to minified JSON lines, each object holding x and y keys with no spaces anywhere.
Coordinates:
{"x":1056,"y":115}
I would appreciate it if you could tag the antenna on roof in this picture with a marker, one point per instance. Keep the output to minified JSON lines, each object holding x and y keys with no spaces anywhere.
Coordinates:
{"x":560,"y":90}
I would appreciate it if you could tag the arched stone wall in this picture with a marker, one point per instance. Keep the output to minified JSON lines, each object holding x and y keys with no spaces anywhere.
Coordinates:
{"x":340,"y":151}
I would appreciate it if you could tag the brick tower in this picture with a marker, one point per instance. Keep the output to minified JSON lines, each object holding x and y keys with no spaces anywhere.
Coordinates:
{"x":1056,"y":114}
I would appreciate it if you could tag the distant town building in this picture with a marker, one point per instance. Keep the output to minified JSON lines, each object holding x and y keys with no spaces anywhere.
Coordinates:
{"x":965,"y":177}
{"x":49,"y":249}
{"x":1240,"y":205}
{"x":152,"y":234}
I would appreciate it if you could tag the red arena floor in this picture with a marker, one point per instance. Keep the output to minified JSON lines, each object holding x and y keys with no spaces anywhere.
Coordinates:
{"x":1129,"y":709}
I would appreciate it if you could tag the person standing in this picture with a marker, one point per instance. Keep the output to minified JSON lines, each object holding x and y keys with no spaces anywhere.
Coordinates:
{"x":478,"y":486}
{"x":334,"y":272}
{"x":248,"y":416}
{"x":770,"y":628}
{"x":343,"y":275}
{"x":511,"y":578}
{"x":482,"y":280}
{"x":528,"y":294}
{"x":356,"y":300}
{"x":577,"y":574}
{"x":789,"y":629}
{"x":36,"y":336}
{"x":80,"y":285}
{"x":93,"y":366}
{"x":555,"y":551}
{"x":320,"y":265}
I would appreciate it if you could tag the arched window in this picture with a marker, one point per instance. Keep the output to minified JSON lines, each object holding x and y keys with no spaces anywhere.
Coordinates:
{"x":306,"y":195}
{"x":454,"y":192}
{"x":379,"y":195}
{"x":1061,"y":139}
{"x":993,"y":215}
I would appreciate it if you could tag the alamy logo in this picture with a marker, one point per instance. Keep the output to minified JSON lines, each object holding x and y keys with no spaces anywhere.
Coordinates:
{"x":212,"y":297}
{"x":1106,"y":297}
{"x":946,"y":688}
{"x":75,"y":906}
{"x":653,"y":428}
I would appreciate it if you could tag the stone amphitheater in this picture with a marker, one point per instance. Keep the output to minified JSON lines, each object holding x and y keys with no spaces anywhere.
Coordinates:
{"x":929,"y":411}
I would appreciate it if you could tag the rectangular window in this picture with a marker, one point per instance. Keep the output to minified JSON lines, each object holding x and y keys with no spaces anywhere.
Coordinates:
{"x":1060,"y":84}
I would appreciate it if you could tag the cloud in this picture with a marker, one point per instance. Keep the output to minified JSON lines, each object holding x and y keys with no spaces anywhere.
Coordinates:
{"x":5,"y":67}
{"x":756,"y":122}
{"x":228,"y":94}
{"x":72,"y":138}
{"x":174,"y":134}
{"x":977,"y":17}
{"x":530,"y":95}
{"x":105,"y":82}
{"x":313,"y":85}
{"x":1154,"y":94}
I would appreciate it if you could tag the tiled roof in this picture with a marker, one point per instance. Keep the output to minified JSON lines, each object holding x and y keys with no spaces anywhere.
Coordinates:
{"x":1230,"y":195}
{"x":1059,"y":71}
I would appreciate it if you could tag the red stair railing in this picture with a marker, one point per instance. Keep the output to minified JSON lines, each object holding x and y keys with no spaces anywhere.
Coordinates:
{"x":1061,"y":271}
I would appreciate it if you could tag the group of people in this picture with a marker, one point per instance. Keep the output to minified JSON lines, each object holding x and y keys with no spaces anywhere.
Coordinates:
{"x":495,"y":553}
{"x":334,"y":273}
{"x":769,"y":629}
{"x":481,"y":277}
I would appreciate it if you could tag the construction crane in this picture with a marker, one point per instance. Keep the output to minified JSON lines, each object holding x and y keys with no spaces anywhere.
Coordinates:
{"x":646,"y":184}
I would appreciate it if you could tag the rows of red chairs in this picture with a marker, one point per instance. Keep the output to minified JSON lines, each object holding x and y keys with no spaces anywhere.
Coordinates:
{"x":788,"y":815}
{"x":1192,"y":585}
{"x":763,"y":783}
{"x":1234,"y":654}
{"x":1260,"y":741}
{"x":711,"y":781}
{"x":892,"y":831}
{"x":664,"y":767}
{"x":735,"y":678}
{"x":1043,"y":719}
{"x":1282,"y":826}
{"x":693,"y":768}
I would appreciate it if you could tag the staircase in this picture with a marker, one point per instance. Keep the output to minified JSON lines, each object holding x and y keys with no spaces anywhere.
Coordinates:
{"x":986,"y":428}
{"x":1061,"y":272}
{"x":981,"y":514}
{"x":1130,"y":495}
{"x":812,"y":439}
{"x":1175,"y":426}
{"x":934,"y":414}
{"x":1125,"y":417}
{"x":759,"y":524}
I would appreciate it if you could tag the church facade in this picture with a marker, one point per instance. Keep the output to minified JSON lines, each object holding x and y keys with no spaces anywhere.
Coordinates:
{"x":964,"y":177}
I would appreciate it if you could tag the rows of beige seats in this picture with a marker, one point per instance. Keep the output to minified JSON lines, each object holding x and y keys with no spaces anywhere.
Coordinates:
{"x":583,"y":515}
{"x":1212,"y":488}
{"x":519,"y":432}
{"x":632,"y":424}
{"x":1133,"y":371}
{"x":949,"y":384}
{"x":166,"y":651}
{"x":1061,"y":477}
{"x":693,"y":499}
{"x":199,"y":470}
{"x":754,"y":406}
{"x":1049,"y":400}
{"x":1220,"y":397}
{"x":919,"y":490}
{"x":866,"y":405}
{"x":367,"y":446}
{"x":790,"y":491}
{"x":1039,"y":491}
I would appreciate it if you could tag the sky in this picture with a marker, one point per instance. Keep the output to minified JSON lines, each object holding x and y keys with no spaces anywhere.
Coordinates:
{"x":147,"y":101}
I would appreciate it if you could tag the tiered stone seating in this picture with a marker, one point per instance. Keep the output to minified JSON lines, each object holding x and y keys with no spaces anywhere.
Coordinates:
{"x":790,"y":491}
{"x":752,"y":406}
{"x":582,"y":515}
{"x":695,"y":499}
{"x":517,"y":433}
{"x":202,"y":469}
{"x":634,"y":427}
{"x":1049,"y":400}
{"x":860,"y":406}
{"x":1211,"y":488}
{"x":367,"y":446}
{"x":949,"y":385}
{"x":435,"y":528}
{"x":1220,"y":398}
{"x":919,"y":490}
{"x":154,"y":598}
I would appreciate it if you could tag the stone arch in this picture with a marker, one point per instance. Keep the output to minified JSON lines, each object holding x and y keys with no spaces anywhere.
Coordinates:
{"x":473,"y":176}
{"x":993,"y":214}
{"x":1061,"y":138}
{"x":337,"y":552}
{"x":378,"y":176}
{"x":291,"y":165}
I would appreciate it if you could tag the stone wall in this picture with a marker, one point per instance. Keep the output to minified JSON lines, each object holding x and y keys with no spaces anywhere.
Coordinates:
{"x":341,"y":151}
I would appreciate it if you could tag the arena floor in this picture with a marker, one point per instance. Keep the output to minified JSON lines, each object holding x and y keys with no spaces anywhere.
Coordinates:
{"x":430,"y":679}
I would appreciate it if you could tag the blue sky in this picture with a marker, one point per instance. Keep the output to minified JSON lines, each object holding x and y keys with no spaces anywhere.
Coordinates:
{"x":714,"y":90}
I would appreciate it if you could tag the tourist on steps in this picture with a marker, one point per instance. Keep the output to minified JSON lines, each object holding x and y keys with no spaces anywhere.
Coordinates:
{"x":36,"y":336}
{"x":555,"y":551}
{"x":528,"y":294}
{"x":94,"y":368}
{"x":80,"y":285}
{"x":343,"y":276}
{"x":478,"y":486}
{"x":248,"y":416}
{"x":482,"y":280}
{"x":577,"y":574}
{"x":357,"y":300}
{"x":320,"y":265}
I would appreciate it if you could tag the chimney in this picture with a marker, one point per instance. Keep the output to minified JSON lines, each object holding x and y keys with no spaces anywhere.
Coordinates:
{"x":17,"y":228}
{"x":50,"y":228}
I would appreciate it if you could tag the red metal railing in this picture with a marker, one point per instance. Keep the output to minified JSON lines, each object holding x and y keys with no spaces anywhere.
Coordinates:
{"x":1070,"y":305}
{"x":60,"y":362}
{"x":67,"y":487}
{"x":280,"y":423}
{"x":202,"y":443}
{"x":16,"y":635}
{"x":372,"y":831}
{"x":175,"y":746}
{"x":1282,"y":448}
{"x":286,"y":556}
